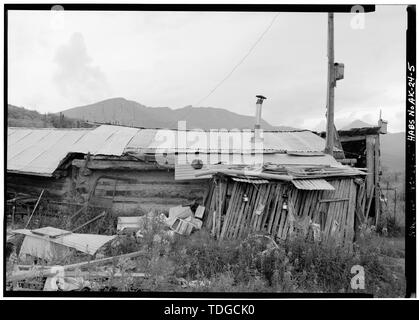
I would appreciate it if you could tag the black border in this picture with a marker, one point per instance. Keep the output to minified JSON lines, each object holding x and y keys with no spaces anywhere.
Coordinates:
{"x":410,"y":147}
{"x":410,"y":182}
{"x":345,"y":8}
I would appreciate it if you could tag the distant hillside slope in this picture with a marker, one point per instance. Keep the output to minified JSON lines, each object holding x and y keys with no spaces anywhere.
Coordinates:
{"x":131,"y":113}
{"x":21,"y":117}
{"x":356,"y":124}
{"x":393,"y":151}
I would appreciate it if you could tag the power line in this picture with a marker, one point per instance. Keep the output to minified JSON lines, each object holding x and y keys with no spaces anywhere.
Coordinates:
{"x":241,"y":61}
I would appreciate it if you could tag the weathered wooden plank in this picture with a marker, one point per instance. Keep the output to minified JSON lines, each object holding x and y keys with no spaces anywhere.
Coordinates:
{"x":331,"y":210}
{"x":343,"y":211}
{"x":242,"y":223}
{"x":230,"y":206}
{"x":351,"y":212}
{"x":277,"y":211}
{"x":117,"y":165}
{"x":351,"y":138}
{"x":264,"y":202}
{"x":238,"y":211}
{"x":370,"y":150}
{"x":274,"y":210}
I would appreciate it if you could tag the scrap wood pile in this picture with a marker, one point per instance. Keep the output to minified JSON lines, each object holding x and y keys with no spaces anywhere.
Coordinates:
{"x":85,"y":275}
{"x":239,"y":203}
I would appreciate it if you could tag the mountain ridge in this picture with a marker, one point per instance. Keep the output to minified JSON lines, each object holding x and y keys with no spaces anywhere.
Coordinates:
{"x":131,"y":113}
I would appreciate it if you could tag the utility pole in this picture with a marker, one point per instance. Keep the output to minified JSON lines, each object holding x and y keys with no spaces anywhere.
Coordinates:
{"x":331,"y":82}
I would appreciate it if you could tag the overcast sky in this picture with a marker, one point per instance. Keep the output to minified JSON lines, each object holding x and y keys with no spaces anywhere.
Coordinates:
{"x":173,"y":59}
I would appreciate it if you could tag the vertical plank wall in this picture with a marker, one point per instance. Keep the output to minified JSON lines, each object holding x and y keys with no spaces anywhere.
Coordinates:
{"x":280,"y":209}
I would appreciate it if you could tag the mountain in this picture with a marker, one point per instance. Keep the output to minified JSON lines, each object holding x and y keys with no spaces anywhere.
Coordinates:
{"x":21,"y":117}
{"x":393,"y":150}
{"x":356,"y":124}
{"x":130,"y":113}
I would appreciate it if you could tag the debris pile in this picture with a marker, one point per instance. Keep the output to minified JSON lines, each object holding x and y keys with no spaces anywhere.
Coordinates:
{"x":181,"y":220}
{"x":54,"y":259}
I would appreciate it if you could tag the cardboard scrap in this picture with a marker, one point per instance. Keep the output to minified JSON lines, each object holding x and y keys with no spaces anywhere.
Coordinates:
{"x":179,"y":212}
{"x":196,"y":222}
{"x":182,"y":220}
{"x":182,"y":227}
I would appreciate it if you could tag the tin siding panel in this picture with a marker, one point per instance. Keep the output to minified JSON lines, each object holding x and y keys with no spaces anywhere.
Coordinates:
{"x":312,"y":184}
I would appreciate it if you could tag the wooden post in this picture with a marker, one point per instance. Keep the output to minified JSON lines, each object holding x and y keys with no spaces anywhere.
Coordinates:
{"x":395,"y":203}
{"x":14,"y":211}
{"x":330,"y":88}
{"x":369,"y":148}
{"x":377,"y":178}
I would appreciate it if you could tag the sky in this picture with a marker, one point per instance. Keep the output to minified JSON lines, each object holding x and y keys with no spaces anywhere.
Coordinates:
{"x":58,"y":60}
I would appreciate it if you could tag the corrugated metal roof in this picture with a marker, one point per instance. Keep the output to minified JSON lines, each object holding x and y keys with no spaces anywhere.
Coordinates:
{"x":312,"y":184}
{"x":170,"y":141}
{"x":106,"y":140}
{"x":40,"y":151}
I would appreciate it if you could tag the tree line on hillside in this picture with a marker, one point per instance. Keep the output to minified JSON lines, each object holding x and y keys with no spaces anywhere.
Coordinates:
{"x":21,"y":117}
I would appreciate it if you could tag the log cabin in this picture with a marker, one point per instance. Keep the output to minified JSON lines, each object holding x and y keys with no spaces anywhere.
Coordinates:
{"x":132,"y":169}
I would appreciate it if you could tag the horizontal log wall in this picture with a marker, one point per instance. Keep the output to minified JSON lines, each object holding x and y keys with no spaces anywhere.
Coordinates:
{"x":135,"y":190}
{"x":54,"y":188}
{"x":147,"y":190}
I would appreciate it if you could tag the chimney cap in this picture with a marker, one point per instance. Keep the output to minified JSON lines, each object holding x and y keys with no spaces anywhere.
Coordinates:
{"x":260,"y":97}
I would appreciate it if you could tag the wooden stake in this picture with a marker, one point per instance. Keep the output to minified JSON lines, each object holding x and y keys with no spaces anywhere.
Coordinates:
{"x":34,"y":209}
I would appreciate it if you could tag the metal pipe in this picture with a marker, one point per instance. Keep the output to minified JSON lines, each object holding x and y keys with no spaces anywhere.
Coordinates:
{"x":258,"y":115}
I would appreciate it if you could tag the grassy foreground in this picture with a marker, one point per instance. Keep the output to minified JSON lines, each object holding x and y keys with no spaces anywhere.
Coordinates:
{"x":199,"y":263}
